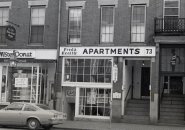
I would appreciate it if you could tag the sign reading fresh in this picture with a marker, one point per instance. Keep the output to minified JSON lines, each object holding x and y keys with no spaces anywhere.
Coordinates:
{"x":107,"y":51}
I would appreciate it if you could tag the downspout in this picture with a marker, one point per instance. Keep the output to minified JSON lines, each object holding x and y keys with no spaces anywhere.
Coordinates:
{"x":57,"y":60}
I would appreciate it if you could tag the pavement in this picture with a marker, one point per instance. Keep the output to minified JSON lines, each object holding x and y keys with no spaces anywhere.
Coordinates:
{"x":92,"y":125}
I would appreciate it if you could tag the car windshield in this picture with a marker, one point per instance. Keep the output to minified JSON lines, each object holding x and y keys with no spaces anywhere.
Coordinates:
{"x":43,"y":107}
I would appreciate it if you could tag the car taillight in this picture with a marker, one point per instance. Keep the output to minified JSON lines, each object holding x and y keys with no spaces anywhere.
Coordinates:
{"x":55,"y":115}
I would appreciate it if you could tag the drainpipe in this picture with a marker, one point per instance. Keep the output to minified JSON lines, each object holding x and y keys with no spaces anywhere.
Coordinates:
{"x":57,"y":59}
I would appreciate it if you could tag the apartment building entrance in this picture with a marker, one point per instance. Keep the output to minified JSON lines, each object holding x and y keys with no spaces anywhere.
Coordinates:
{"x":145,"y":81}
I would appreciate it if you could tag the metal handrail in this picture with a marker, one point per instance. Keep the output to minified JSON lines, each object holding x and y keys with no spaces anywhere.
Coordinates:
{"x":169,"y":25}
{"x":128,"y":92}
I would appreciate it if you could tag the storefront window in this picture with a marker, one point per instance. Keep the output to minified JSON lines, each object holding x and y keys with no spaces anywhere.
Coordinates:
{"x":88,"y":70}
{"x":25,"y":84}
{"x":3,"y":84}
{"x":94,"y":102}
{"x":21,"y":86}
{"x":172,"y":59}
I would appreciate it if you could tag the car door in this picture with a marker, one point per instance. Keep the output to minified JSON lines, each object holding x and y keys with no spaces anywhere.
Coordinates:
{"x":11,"y":114}
{"x":28,"y":111}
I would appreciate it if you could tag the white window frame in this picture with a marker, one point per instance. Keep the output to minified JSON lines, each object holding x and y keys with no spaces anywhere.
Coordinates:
{"x":31,"y":8}
{"x":38,"y":3}
{"x":171,"y":7}
{"x":107,"y":6}
{"x":77,"y":100}
{"x":144,"y":24}
{"x":86,"y":84}
{"x":68,"y":36}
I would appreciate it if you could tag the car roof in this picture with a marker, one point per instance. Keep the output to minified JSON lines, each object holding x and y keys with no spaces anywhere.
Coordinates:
{"x":26,"y":103}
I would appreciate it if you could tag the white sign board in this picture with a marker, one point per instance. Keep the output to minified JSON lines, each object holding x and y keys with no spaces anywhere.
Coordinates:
{"x":116,"y":95}
{"x":115,"y":73}
{"x":21,"y":82}
{"x":146,"y":51}
{"x":17,"y":53}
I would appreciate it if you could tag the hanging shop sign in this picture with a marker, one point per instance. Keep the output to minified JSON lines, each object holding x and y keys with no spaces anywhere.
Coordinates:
{"x":21,"y":82}
{"x":115,"y":73}
{"x":10,"y":33}
{"x":17,"y":53}
{"x":148,"y":51}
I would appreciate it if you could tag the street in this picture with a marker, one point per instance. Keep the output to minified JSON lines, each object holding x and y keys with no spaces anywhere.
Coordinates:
{"x":24,"y":128}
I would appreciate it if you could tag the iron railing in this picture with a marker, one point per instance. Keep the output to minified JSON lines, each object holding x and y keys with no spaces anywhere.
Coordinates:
{"x":169,"y":26}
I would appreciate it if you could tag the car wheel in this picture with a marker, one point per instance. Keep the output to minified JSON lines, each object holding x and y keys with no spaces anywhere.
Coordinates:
{"x":33,"y":124}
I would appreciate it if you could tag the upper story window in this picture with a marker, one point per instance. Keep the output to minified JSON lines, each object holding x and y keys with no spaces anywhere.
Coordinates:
{"x":138,"y":23}
{"x":171,"y":8}
{"x":75,"y":25}
{"x":4,"y":16}
{"x":37,"y":24}
{"x":107,"y":24}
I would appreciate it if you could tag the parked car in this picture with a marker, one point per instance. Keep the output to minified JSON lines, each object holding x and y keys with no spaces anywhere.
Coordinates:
{"x":31,"y":115}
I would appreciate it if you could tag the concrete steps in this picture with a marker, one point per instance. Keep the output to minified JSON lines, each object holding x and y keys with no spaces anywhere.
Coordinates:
{"x":172,"y":109}
{"x":137,"y":111}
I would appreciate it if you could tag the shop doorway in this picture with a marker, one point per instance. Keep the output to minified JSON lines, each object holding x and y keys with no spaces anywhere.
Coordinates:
{"x":26,"y":84}
{"x":145,"y":81}
{"x":176,"y":85}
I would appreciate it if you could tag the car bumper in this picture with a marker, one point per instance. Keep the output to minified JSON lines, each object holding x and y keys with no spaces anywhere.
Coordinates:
{"x":55,"y":121}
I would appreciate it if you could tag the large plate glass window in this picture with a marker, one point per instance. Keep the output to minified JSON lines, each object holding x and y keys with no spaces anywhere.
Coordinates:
{"x":138,"y":23}
{"x":94,"y":102}
{"x":75,"y":25}
{"x":107,"y":24}
{"x":87,"y":70}
{"x":23,"y":84}
{"x":172,"y":60}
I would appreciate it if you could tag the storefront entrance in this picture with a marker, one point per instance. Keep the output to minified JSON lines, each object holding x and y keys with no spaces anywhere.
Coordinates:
{"x":23,"y":84}
{"x":176,"y":85}
{"x":172,"y":84}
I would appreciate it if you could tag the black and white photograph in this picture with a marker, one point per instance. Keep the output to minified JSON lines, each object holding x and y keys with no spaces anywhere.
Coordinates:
{"x":92,"y":64}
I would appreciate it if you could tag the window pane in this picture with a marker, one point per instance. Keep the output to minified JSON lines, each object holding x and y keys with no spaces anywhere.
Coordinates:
{"x":107,"y":26}
{"x":38,"y":16}
{"x":94,"y":102}
{"x":171,"y":11}
{"x":37,"y":24}
{"x":2,"y":34}
{"x":87,"y":70}
{"x":171,"y":3}
{"x":37,"y":34}
{"x":138,"y":24}
{"x":75,"y":17}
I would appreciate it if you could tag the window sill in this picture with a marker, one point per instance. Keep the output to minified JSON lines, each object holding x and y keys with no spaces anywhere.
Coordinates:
{"x":138,"y":43}
{"x":3,"y":45}
{"x":35,"y":44}
{"x":74,"y":44}
{"x":106,"y":44}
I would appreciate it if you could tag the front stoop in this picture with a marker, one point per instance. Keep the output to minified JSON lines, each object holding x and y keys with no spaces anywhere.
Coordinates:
{"x":172,"y":110}
{"x":137,"y":111}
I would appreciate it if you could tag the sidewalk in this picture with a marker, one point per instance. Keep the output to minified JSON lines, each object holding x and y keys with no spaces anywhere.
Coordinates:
{"x":90,"y":125}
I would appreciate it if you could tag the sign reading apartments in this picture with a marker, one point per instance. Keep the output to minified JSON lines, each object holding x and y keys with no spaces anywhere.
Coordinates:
{"x":147,"y":51}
